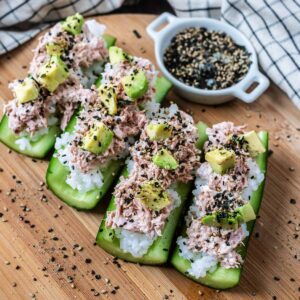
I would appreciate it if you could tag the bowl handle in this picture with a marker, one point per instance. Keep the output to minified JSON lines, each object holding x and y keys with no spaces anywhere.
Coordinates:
{"x":152,"y":28}
{"x":263,"y":84}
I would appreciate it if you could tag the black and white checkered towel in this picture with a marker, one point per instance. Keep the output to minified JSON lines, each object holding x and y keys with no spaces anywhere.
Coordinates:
{"x":273,"y":26}
{"x":20,"y":20}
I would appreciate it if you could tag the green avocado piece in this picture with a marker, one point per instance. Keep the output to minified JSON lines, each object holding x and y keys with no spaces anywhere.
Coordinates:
{"x":53,"y":73}
{"x":230,"y":220}
{"x":220,"y":160}
{"x":164,"y":159}
{"x":152,"y":196}
{"x":158,"y":131}
{"x":135,"y":85}
{"x":247,"y":212}
{"x":254,"y":144}
{"x":117,"y":55}
{"x":73,"y":24}
{"x":98,"y":138}
{"x":26,"y":90}
{"x":221,"y":219}
{"x":108,"y":97}
{"x":55,"y":48}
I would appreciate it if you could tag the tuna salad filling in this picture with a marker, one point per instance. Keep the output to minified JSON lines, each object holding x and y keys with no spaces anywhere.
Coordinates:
{"x":216,"y":220}
{"x":78,"y":51}
{"x":108,"y":123}
{"x":164,"y":155}
{"x":55,"y":85}
{"x":177,"y":142}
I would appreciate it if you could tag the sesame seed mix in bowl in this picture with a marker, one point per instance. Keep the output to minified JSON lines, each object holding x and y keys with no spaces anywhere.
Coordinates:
{"x":206,"y":59}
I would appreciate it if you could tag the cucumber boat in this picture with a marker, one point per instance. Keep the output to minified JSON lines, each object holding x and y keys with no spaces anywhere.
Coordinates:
{"x":151,"y":179}
{"x":59,"y":70}
{"x":191,"y":256}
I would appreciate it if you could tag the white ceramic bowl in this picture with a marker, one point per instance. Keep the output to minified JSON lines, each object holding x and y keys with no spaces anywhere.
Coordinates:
{"x":173,"y":25}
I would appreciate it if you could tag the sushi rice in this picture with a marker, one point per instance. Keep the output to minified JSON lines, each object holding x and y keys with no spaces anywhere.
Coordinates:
{"x":25,"y":141}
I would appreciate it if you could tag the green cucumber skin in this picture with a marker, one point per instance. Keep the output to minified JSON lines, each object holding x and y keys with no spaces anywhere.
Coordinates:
{"x":228,"y":278}
{"x":42,"y":146}
{"x":57,"y":173}
{"x":56,"y":180}
{"x":159,"y":251}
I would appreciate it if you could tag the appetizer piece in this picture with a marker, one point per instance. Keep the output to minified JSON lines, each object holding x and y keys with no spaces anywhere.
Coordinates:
{"x":90,"y":153}
{"x":141,"y":218}
{"x":227,"y":197}
{"x":66,"y":61}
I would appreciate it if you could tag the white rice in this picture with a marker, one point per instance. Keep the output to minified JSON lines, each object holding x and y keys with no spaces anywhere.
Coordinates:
{"x":135,"y":243}
{"x":23,"y":143}
{"x":255,"y":178}
{"x":83,"y":182}
{"x":89,"y":75}
{"x":130,"y":165}
{"x":151,"y":107}
{"x":25,"y":140}
{"x":164,"y":112}
{"x":200,"y":262}
{"x":138,"y":244}
{"x":95,"y":28}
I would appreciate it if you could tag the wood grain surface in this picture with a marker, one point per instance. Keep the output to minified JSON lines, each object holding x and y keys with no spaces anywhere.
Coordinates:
{"x":47,"y":249}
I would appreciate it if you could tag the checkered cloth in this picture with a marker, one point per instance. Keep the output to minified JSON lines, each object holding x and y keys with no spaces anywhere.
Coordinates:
{"x":20,"y":20}
{"x":273,"y":27}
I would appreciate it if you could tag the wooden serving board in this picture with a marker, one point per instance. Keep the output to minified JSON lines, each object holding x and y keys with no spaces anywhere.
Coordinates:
{"x":47,"y":250}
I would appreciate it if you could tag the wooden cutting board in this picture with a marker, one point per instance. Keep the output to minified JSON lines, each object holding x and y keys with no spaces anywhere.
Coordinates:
{"x":47,"y":250}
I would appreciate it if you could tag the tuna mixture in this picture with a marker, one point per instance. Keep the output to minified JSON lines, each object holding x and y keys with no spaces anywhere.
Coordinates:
{"x":82,"y":51}
{"x":207,"y":246}
{"x":113,"y":73}
{"x":136,"y":224}
{"x":85,"y":166}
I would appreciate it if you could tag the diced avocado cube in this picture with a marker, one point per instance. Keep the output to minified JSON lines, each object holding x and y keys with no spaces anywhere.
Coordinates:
{"x":164,"y":159}
{"x":73,"y":24}
{"x":220,"y":160}
{"x":152,"y":196}
{"x":55,"y":48}
{"x":53,"y":73}
{"x":210,"y":220}
{"x":98,"y":138}
{"x":221,"y":219}
{"x":26,"y":90}
{"x":108,"y":97}
{"x":247,"y":212}
{"x":117,"y":55}
{"x":158,"y":131}
{"x":255,"y":145}
{"x":230,"y":220}
{"x":135,"y":85}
